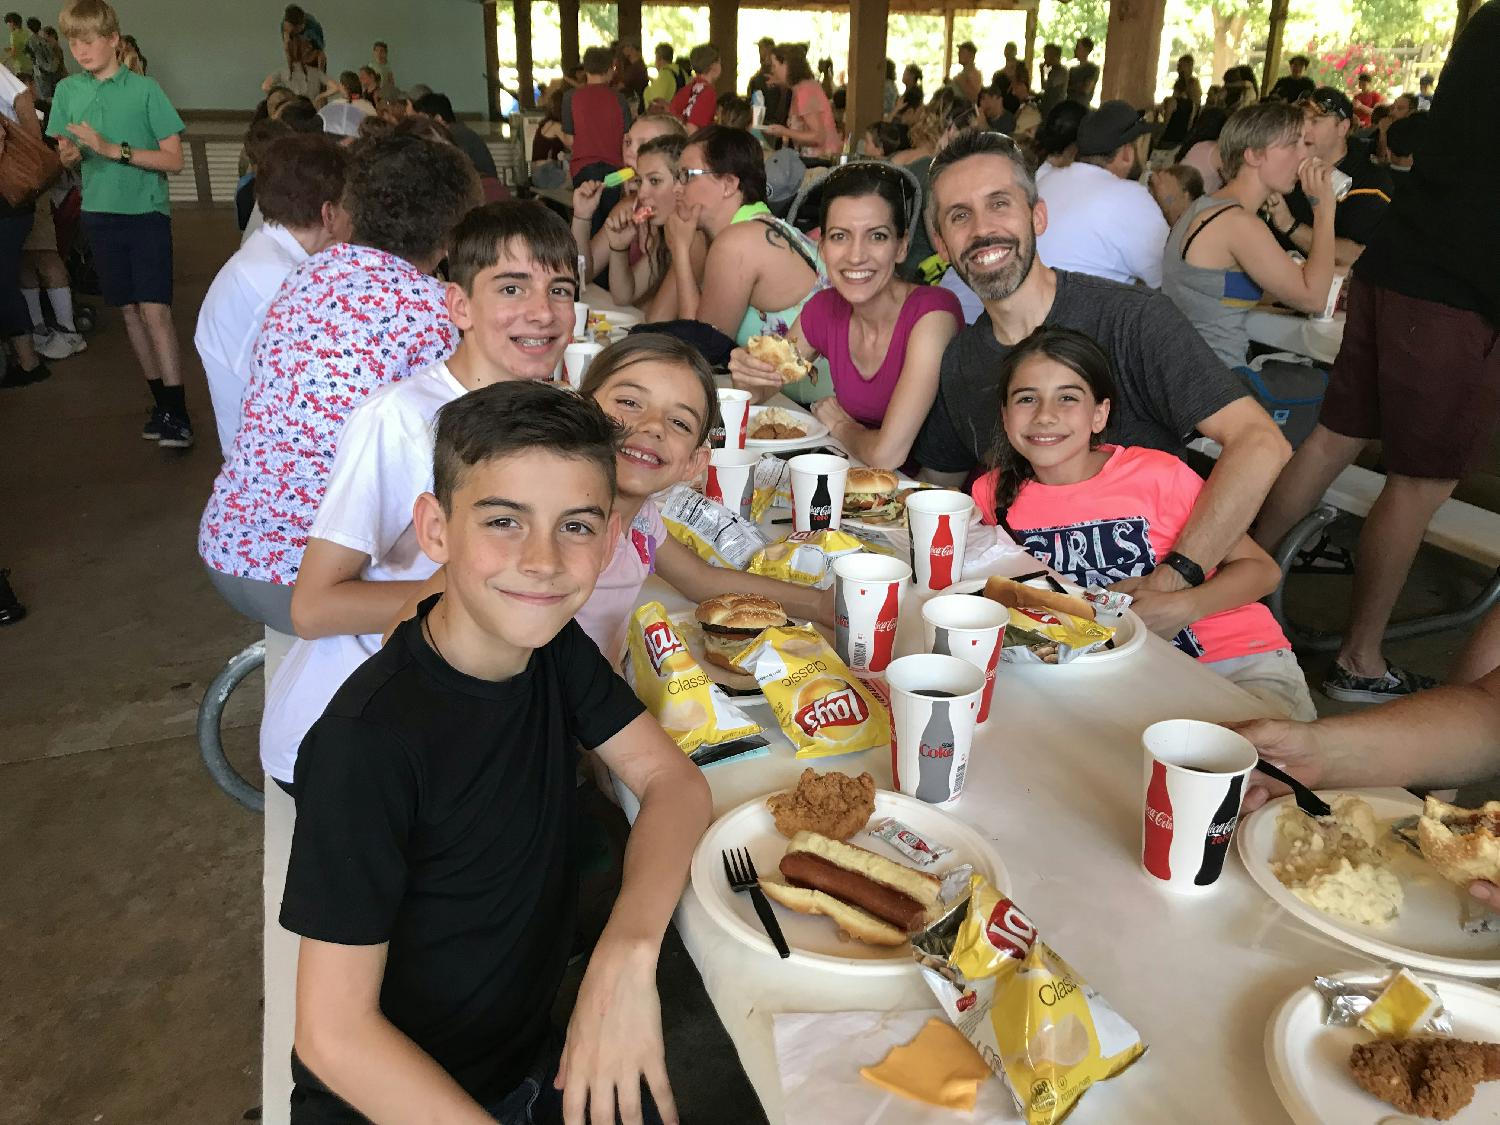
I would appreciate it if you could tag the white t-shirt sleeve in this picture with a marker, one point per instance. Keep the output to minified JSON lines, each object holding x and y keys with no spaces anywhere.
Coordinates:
{"x":383,"y":464}
{"x":10,"y":88}
{"x":1149,"y":238}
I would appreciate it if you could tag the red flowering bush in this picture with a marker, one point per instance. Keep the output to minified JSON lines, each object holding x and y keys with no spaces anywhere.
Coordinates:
{"x":1340,"y":67}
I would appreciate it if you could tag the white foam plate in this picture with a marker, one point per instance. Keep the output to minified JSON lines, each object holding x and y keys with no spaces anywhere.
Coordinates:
{"x":1130,"y":630}
{"x":1309,"y":1062}
{"x":816,"y":431}
{"x":815,"y":940}
{"x":1425,"y":935}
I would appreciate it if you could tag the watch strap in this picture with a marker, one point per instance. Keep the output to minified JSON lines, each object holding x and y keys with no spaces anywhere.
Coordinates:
{"x":1191,"y":572}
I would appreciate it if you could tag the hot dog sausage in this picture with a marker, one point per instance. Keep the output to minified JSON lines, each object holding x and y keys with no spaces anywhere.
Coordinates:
{"x":802,"y":869}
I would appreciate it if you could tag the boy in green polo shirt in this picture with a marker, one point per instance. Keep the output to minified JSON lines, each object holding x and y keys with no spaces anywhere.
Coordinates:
{"x":127,"y":136}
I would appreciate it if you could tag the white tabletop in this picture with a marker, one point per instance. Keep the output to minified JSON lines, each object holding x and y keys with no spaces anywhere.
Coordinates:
{"x":1056,"y":785}
{"x":1288,"y":331}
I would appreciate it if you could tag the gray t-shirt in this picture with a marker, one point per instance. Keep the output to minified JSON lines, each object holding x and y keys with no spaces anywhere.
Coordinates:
{"x":1166,"y":378}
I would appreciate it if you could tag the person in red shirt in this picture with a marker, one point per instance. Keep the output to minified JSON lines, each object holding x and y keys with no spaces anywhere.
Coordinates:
{"x":1366,"y":100}
{"x":594,"y":119}
{"x":696,"y":102}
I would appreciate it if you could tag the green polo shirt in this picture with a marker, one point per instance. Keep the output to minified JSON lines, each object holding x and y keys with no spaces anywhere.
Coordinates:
{"x":126,"y":108}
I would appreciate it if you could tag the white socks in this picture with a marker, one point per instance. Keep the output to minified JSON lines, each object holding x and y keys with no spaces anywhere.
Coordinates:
{"x":61,"y":301}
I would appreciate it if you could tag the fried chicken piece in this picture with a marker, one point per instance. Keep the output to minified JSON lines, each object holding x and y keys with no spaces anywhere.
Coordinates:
{"x":831,"y":804}
{"x":1426,"y":1077}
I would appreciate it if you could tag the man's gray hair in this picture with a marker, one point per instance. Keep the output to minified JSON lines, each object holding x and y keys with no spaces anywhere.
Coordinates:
{"x":977,"y":142}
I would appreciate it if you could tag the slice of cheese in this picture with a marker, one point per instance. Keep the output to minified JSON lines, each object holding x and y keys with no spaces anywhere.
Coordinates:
{"x":939,"y":1067}
{"x":1402,"y":1009}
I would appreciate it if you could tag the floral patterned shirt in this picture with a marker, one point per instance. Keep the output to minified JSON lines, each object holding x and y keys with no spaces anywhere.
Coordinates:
{"x":347,"y":322}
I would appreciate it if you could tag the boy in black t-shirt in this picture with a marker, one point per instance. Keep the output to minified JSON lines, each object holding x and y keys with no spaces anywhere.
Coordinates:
{"x":433,"y":875}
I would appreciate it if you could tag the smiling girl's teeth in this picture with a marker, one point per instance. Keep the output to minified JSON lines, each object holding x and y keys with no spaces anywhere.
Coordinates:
{"x":642,"y":456}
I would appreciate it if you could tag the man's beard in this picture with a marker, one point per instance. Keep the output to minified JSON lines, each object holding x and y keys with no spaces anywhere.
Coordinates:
{"x":997,"y":285}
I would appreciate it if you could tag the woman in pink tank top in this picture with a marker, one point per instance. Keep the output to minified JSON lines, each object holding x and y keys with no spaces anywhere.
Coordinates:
{"x":883,"y":337}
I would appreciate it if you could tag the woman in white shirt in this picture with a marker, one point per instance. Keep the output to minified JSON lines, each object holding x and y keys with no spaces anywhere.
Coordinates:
{"x":18,"y":104}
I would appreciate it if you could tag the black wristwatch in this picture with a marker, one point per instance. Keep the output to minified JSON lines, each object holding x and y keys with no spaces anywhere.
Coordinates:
{"x":1191,"y":572}
{"x":124,"y":157}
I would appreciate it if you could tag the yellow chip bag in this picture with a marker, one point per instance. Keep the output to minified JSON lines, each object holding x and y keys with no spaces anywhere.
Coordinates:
{"x":1038,"y":1024}
{"x":675,"y":689}
{"x":1045,"y":636}
{"x":821,"y":705}
{"x":804,"y":557}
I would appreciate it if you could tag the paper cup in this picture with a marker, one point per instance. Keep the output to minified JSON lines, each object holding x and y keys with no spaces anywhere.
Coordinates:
{"x":938,"y":521}
{"x":576,"y":360}
{"x":818,"y":491}
{"x":1331,"y":305}
{"x":970,"y":628}
{"x":867,"y":593}
{"x":757,"y":116}
{"x":934,"y":706}
{"x":731,"y":478}
{"x":580,"y":319}
{"x":1194,"y":779}
{"x":734,"y":410}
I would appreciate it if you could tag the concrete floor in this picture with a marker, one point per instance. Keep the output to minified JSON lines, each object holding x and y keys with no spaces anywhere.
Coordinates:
{"x":131,"y":972}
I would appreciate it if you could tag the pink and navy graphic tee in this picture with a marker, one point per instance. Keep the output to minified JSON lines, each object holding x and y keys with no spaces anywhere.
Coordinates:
{"x":1119,"y":524}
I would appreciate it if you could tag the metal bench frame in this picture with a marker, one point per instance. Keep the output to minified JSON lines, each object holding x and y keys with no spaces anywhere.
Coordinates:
{"x":211,"y":714}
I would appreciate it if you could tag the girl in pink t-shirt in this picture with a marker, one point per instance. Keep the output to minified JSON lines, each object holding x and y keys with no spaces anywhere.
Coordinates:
{"x":1100,"y":514}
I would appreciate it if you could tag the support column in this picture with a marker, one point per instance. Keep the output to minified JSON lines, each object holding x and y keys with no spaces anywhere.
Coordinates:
{"x":1133,"y":50}
{"x":1273,"y":46}
{"x":724,"y":33}
{"x":567,"y":18}
{"x":1031,"y":26}
{"x":867,"y":28}
{"x":628,"y":13}
{"x":490,"y":25}
{"x":523,"y":55}
{"x":947,"y":49}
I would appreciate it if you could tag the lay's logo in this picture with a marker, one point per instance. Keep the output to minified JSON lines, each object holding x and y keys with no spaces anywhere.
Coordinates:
{"x":662,"y":642}
{"x":841,"y":708}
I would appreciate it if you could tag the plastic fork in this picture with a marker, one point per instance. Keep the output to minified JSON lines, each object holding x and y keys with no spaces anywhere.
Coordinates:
{"x":739,"y":869}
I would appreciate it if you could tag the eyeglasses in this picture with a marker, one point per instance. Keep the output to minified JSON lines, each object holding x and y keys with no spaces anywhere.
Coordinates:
{"x":684,"y":176}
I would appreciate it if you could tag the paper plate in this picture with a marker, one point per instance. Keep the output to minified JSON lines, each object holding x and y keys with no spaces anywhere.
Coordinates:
{"x":815,"y":940}
{"x":816,"y":431}
{"x":1309,"y":1062}
{"x":1426,"y":935}
{"x":1130,"y":630}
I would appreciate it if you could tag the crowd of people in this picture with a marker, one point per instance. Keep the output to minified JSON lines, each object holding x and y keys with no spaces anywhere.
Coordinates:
{"x":1007,"y":290}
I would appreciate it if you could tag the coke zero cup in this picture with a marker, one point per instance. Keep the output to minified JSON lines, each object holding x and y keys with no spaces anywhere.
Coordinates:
{"x":731,"y":479}
{"x":734,"y":409}
{"x":867,"y":592}
{"x":1194,"y":779}
{"x":970,"y":628}
{"x":934,"y":706}
{"x":576,"y":360}
{"x":818,"y":491}
{"x":938,"y":521}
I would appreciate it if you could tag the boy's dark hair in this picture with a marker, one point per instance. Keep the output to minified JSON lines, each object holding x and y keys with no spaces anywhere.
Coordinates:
{"x":519,"y":416}
{"x":382,"y":44}
{"x":702,"y":57}
{"x":1077,"y":352}
{"x":406,"y":193}
{"x":349,"y":80}
{"x":260,"y":135}
{"x":598,"y":60}
{"x":967,"y":45}
{"x":657,"y":347}
{"x":294,"y":15}
{"x":1402,"y":138}
{"x":300,"y":117}
{"x":34,"y":26}
{"x":484,"y":233}
{"x":1297,"y":60}
{"x":13,"y":18}
{"x":734,"y":152}
{"x":890,"y":136}
{"x":733,"y":111}
{"x":1085,"y":42}
{"x":436,"y":105}
{"x":296,"y":175}
{"x":664,"y":52}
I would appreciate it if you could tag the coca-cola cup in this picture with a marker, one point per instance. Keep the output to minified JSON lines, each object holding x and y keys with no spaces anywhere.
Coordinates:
{"x":934,"y":706}
{"x":818,"y":491}
{"x":1194,"y":779}
{"x":938,"y":521}
{"x":734,"y":409}
{"x":731,"y":479}
{"x":867,"y":592}
{"x":970,"y":628}
{"x":576,"y":360}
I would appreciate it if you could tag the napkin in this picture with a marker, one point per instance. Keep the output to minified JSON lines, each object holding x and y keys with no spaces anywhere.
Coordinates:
{"x":819,"y":1055}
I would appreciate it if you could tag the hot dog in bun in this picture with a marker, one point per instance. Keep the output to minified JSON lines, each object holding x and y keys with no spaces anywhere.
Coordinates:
{"x":732,"y":621}
{"x":872,"y":899}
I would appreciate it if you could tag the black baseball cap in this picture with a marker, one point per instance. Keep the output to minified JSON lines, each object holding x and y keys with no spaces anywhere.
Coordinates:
{"x":1329,"y":99}
{"x":1113,"y":124}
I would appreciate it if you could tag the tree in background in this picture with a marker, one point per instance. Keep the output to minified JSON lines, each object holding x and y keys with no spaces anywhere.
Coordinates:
{"x":1066,"y":23}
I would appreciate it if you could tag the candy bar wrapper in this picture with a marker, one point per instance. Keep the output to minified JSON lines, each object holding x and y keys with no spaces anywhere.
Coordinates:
{"x":1037,"y":1023}
{"x":1040,"y":636}
{"x":773,"y":487}
{"x":711,"y":531}
{"x":805,"y":557}
{"x":822,"y":706}
{"x":691,"y":708}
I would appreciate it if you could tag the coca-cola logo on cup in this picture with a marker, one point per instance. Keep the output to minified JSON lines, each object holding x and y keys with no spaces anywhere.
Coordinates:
{"x":1010,"y":931}
{"x":841,"y":708}
{"x":945,"y":750}
{"x":1162,"y":820}
{"x":662,"y":642}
